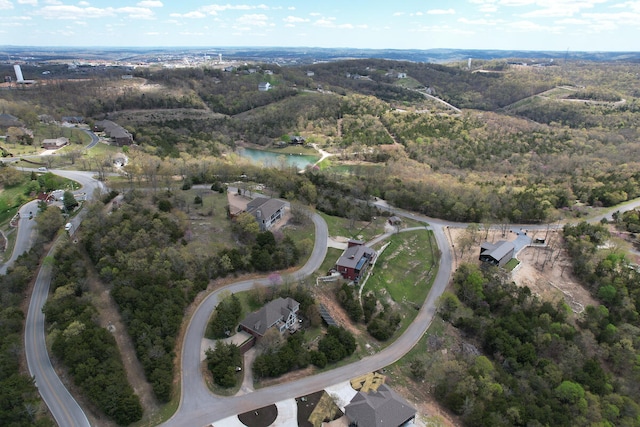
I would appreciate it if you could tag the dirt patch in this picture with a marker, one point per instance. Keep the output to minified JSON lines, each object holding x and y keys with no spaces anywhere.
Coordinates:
{"x":548,"y":274}
{"x":306,"y":405}
{"x":262,"y":417}
{"x":545,"y":269}
{"x":327,"y":298}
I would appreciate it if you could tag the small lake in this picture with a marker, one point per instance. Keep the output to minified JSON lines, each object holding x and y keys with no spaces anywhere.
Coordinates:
{"x":272,"y":159}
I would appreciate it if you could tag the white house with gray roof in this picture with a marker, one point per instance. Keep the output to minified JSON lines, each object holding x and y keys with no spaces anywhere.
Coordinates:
{"x":281,"y":313}
{"x":266,"y":211}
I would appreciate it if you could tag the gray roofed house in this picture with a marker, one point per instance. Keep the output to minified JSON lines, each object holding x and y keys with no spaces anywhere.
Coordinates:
{"x":266,"y":211}
{"x":281,"y":313}
{"x":498,"y":253}
{"x":7,"y":121}
{"x":53,"y":144}
{"x":118,"y":134}
{"x":381,"y":408}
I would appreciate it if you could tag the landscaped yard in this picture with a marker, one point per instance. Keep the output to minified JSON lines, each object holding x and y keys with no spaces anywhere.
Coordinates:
{"x":360,"y":230}
{"x":404,"y":272}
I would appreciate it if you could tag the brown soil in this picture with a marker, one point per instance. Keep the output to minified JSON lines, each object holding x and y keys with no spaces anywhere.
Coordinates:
{"x":327,"y":298}
{"x":546,"y":270}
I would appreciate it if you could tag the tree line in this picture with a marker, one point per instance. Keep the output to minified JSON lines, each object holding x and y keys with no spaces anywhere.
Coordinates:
{"x":87,"y":350}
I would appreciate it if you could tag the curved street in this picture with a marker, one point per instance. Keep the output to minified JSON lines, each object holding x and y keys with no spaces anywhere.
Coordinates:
{"x":63,"y":406}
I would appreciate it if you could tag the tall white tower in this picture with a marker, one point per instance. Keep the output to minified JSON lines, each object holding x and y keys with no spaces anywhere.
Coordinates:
{"x":469,"y":64}
{"x":220,"y":58}
{"x":19,"y":76}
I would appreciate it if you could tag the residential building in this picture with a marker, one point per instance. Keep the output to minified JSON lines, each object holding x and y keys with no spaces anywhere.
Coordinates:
{"x":498,"y":253}
{"x":264,"y":86}
{"x":297,"y":140}
{"x":7,"y":121}
{"x":266,"y":211}
{"x":355,"y":260}
{"x":281,"y":313}
{"x":118,"y":135}
{"x":381,"y":408}
{"x":73,"y":119}
{"x":54,"y":144}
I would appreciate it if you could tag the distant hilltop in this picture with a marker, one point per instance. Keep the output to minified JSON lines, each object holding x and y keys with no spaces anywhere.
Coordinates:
{"x":291,"y":55}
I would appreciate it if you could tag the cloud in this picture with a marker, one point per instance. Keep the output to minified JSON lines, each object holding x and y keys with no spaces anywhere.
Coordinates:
{"x":573,"y":21}
{"x":552,"y":8}
{"x":31,"y":2}
{"x":446,"y":29}
{"x":5,"y":4}
{"x":441,"y":12}
{"x":196,"y":14}
{"x":611,"y":21}
{"x":486,"y":6}
{"x":398,"y":13}
{"x":77,"y":12}
{"x":213,"y":9}
{"x":255,"y":20}
{"x":295,"y":20}
{"x":150,"y":3}
{"x":330,"y":22}
{"x":84,"y":3}
{"x":528,"y":26}
{"x":136,"y":12}
{"x":482,"y":21}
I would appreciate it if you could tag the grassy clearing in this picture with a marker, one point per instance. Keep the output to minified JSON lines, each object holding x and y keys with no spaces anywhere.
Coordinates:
{"x":329,"y":261}
{"x":166,"y":412}
{"x":513,"y":263}
{"x":210,"y":227}
{"x":360,"y":169}
{"x":361,"y":230}
{"x":406,"y":268}
{"x":409,"y":83}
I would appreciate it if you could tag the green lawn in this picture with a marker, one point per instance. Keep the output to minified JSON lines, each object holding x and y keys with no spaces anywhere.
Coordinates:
{"x":361,"y":229}
{"x":329,"y":261}
{"x":406,"y":268}
{"x":513,"y":263}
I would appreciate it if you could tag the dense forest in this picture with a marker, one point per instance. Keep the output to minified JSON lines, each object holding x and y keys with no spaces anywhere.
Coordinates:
{"x":541,"y":363}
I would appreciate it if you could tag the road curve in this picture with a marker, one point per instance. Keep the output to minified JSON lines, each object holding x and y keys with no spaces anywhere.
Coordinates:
{"x":63,"y":406}
{"x":199,"y":407}
{"x":24,"y":235}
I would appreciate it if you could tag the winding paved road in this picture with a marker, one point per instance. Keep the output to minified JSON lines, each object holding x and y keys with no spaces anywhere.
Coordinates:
{"x":63,"y":406}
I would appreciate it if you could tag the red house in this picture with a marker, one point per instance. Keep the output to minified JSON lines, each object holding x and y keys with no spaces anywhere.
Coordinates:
{"x":355,"y":260}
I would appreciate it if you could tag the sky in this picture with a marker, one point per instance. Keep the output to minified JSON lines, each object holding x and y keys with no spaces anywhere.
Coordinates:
{"x":559,"y":25}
